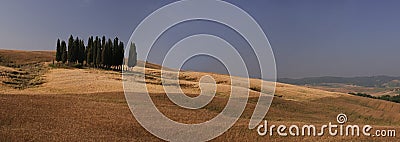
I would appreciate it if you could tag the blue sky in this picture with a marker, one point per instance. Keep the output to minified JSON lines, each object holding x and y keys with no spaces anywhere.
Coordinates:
{"x":308,"y":37}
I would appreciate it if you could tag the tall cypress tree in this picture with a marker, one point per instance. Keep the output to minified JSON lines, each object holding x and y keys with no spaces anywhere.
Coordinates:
{"x":75,"y":50}
{"x":58,"y":51}
{"x":132,"y":60}
{"x":81,"y":51}
{"x":98,"y":53}
{"x":63,"y":52}
{"x":70,"y":49}
{"x":110,"y":53}
{"x":89,"y":52}
{"x":120,"y":57}
{"x":103,"y":48}
{"x":115,"y":52}
{"x":94,"y":50}
{"x":103,"y":54}
{"x":84,"y":53}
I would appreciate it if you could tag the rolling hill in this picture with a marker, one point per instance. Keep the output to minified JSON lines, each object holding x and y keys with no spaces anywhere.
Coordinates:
{"x":89,"y":104}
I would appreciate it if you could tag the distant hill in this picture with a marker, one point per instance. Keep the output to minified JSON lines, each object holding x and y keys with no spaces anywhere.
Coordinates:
{"x":373,"y":81}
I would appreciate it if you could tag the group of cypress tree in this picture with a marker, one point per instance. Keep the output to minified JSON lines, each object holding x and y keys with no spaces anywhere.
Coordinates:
{"x":99,"y":52}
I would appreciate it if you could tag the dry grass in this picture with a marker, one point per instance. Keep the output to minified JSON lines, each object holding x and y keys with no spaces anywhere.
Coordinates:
{"x":23,"y":69}
{"x":106,"y":117}
{"x":61,"y":114}
{"x":69,"y":81}
{"x":89,"y":105}
{"x":19,"y":57}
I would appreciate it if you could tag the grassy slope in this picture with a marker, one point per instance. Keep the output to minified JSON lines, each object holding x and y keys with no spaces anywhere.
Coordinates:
{"x":88,"y":114}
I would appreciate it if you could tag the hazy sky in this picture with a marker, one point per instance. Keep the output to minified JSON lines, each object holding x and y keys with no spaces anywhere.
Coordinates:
{"x":308,"y":37}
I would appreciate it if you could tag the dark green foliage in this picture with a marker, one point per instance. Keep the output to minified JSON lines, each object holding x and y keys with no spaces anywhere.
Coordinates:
{"x":103,"y":46}
{"x":81,"y":52}
{"x":75,"y":51}
{"x":120,"y":53}
{"x":115,"y":52}
{"x":108,"y":55}
{"x":93,"y":51}
{"x":89,"y":52}
{"x":102,"y":53}
{"x":70,"y":49}
{"x":362,"y":95}
{"x":395,"y":99}
{"x":98,"y":52}
{"x":391,"y":98}
{"x":103,"y":40}
{"x":63,"y":52}
{"x":109,"y":58}
{"x":58,"y":51}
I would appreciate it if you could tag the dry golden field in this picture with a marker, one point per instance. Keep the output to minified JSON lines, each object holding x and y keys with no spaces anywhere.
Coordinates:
{"x":89,"y":105}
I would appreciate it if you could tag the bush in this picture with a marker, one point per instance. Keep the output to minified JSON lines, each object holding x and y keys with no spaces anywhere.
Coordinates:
{"x":395,"y":99}
{"x":362,"y":95}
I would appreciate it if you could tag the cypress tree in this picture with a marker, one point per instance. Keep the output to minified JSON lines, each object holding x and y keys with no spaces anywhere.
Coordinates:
{"x":63,"y":52}
{"x":115,"y":52}
{"x":75,"y":50}
{"x":110,"y":52}
{"x":120,"y":54}
{"x":103,"y":54}
{"x":132,"y":59}
{"x":89,"y":52}
{"x":94,"y":51}
{"x":84,"y":53}
{"x":81,"y":52}
{"x":98,"y":53}
{"x":103,"y":41}
{"x":70,"y":49}
{"x":58,"y":51}
{"x":103,"y":47}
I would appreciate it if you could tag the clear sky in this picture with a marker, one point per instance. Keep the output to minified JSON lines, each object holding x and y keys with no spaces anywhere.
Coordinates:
{"x":308,"y":37}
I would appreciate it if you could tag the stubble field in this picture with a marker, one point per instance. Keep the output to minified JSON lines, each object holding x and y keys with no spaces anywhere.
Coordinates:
{"x":89,"y":105}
